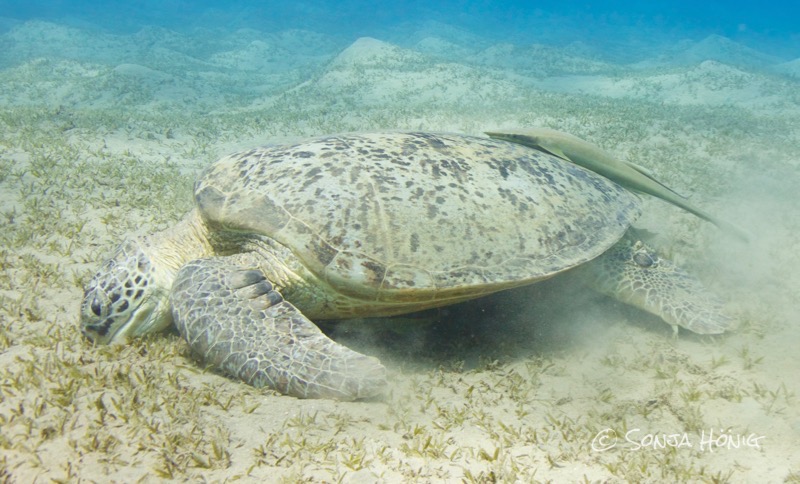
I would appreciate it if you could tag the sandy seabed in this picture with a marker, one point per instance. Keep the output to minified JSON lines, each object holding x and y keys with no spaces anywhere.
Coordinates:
{"x":101,"y":136}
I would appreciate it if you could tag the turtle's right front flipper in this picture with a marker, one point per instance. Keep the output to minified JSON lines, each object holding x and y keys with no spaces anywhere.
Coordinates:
{"x":235,"y":321}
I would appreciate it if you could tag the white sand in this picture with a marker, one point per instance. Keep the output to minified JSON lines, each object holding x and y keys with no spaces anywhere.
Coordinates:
{"x":101,"y":136}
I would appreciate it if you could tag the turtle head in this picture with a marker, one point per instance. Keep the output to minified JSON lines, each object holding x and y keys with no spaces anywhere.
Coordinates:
{"x":124,"y":298}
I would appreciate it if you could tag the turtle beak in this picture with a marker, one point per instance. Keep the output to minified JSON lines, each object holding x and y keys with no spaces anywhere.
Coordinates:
{"x":89,"y":335}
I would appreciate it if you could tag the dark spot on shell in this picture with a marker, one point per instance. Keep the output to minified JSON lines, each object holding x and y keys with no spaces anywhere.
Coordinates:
{"x":322,"y":251}
{"x":414,"y":242}
{"x":503,"y":172}
{"x":378,"y":271}
{"x":344,"y":264}
{"x":431,"y":140}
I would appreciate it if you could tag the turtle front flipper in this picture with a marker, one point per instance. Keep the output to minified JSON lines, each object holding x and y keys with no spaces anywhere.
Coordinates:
{"x":236,"y":322}
{"x":634,"y":274}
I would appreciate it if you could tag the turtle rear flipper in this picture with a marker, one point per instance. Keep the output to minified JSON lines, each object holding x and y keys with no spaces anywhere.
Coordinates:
{"x":237,"y":322}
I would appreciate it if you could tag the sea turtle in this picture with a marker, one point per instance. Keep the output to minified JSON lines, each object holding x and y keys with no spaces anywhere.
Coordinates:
{"x":372,"y":224}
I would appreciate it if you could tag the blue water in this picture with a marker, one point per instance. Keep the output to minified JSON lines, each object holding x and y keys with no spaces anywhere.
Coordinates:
{"x":769,"y":26}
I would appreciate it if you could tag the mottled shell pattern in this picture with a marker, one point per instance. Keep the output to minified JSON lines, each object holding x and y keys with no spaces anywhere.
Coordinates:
{"x":418,"y":216}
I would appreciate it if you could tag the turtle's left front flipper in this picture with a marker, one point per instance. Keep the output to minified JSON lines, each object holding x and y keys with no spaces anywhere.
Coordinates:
{"x":236,"y":322}
{"x":635,"y":274}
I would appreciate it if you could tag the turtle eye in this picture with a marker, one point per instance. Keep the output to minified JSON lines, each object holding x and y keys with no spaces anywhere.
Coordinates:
{"x":643,"y":258}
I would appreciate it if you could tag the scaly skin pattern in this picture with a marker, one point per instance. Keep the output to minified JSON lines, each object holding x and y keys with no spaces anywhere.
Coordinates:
{"x":633,"y":273}
{"x":124,"y":299}
{"x":236,"y":322}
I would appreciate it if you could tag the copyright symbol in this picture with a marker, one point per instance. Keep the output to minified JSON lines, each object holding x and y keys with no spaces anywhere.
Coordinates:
{"x":604,"y":440}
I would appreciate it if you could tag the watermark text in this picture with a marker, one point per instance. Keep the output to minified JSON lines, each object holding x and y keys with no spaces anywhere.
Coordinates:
{"x":707,"y":441}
